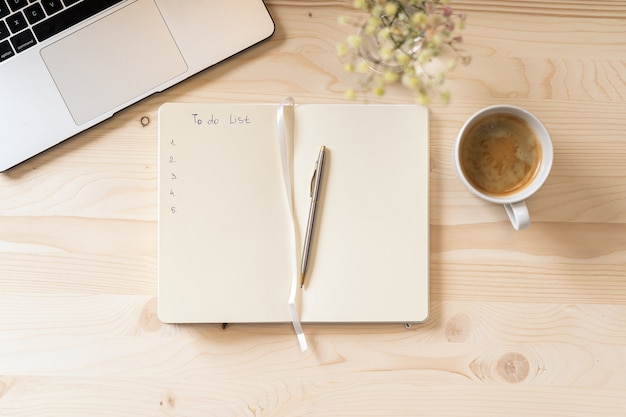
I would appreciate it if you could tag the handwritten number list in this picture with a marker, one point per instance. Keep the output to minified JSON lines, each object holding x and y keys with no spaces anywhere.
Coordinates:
{"x":173,"y":149}
{"x":173,"y":175}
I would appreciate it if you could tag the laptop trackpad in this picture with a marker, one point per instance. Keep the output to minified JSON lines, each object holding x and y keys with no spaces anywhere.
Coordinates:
{"x":116,"y":59}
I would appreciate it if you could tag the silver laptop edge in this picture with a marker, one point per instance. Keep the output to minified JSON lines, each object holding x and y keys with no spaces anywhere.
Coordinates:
{"x":40,"y":104}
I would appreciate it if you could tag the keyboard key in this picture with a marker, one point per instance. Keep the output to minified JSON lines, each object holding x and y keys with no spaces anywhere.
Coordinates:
{"x":69,"y":17}
{"x":17,"y":4}
{"x":6,"y":51}
{"x":4,"y":9}
{"x":23,"y":41}
{"x":4,"y":31}
{"x":69,"y":2}
{"x":34,"y":13}
{"x":17,"y":22}
{"x":52,"y":6}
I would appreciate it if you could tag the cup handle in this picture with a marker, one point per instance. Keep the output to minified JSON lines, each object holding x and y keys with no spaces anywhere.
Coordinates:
{"x":518,"y":214}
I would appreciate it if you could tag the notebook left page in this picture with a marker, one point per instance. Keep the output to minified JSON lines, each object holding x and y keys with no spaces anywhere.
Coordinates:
{"x":224,"y":242}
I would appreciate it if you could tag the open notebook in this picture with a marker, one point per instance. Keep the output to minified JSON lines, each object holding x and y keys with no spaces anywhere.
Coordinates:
{"x":227,"y":247}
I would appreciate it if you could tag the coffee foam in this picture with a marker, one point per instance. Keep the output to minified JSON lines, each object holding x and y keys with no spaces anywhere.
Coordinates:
{"x":500,"y":154}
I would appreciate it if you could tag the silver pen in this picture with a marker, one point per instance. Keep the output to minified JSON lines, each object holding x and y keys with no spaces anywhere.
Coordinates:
{"x":316,"y":185}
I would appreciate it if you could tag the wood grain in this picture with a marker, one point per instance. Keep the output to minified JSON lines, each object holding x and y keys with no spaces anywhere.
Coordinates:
{"x":521,"y":323}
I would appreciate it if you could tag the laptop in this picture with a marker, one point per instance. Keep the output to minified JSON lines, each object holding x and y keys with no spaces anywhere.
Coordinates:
{"x":66,"y":65}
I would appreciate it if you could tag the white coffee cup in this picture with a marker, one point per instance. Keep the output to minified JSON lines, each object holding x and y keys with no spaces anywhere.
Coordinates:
{"x":498,"y":162}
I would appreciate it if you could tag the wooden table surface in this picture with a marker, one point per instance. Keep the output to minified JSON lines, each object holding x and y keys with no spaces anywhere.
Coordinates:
{"x":522,"y":323}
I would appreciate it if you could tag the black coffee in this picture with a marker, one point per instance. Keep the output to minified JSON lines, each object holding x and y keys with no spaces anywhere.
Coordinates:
{"x":500,"y":154}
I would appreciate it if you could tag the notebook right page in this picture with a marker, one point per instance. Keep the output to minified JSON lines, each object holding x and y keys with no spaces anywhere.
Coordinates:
{"x":370,"y":255}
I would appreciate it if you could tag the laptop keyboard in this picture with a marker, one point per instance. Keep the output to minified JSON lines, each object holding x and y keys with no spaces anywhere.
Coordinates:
{"x":24,"y":23}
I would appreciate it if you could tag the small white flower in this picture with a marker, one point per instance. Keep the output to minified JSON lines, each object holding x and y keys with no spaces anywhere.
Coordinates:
{"x":390,"y":77}
{"x":445,"y":96}
{"x":402,"y":58}
{"x":411,"y":82}
{"x":384,"y":33}
{"x":342,"y":49}
{"x":360,"y":4}
{"x":391,"y":9}
{"x":354,"y":41}
{"x":386,"y":53}
{"x":363,"y":67}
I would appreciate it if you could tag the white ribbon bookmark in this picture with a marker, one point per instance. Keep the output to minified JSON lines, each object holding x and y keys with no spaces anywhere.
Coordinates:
{"x":284,"y":156}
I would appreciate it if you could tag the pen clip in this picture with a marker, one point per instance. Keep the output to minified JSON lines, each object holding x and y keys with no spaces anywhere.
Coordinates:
{"x":317,"y":170}
{"x":313,"y":180}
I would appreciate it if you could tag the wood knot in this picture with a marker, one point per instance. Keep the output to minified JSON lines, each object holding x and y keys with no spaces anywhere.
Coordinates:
{"x":513,"y":367}
{"x":169,"y":401}
{"x":149,"y":318}
{"x":6,"y":384}
{"x":508,"y":364}
{"x":458,"y":328}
